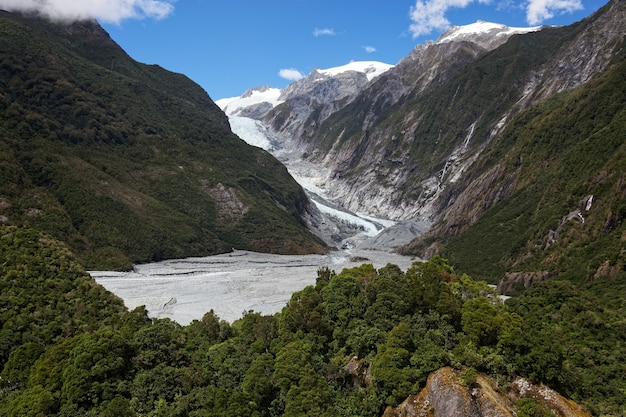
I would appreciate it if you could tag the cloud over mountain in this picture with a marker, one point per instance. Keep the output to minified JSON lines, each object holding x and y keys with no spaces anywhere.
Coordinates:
{"x":430,"y":15}
{"x":538,"y":11}
{"x":112,"y":11}
{"x":291,"y":74}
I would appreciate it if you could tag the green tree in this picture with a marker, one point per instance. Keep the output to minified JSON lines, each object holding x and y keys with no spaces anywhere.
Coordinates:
{"x":17,"y":369}
{"x":391,"y":370}
{"x":339,"y":299}
{"x":310,"y":397}
{"x":481,"y":321}
{"x":429,"y":289}
{"x":258,"y":382}
{"x":292,"y":363}
{"x":35,"y":401}
{"x":94,"y":368}
{"x":529,"y":407}
{"x":387,"y":296}
{"x":304,"y":313}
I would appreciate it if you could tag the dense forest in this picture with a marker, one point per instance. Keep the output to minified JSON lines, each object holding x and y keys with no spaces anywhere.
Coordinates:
{"x":104,"y":163}
{"x":68,"y":347}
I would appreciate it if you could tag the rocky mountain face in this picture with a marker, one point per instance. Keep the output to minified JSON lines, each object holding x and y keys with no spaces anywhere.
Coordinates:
{"x":306,"y":103}
{"x":422,"y":124}
{"x":320,"y":115}
{"x":129,"y":162}
{"x":564,"y":180}
{"x":448,"y":394}
{"x":465,"y":129}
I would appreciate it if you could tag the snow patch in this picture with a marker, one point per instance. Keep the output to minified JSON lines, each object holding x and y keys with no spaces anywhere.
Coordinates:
{"x":251,"y":131}
{"x":372,"y":69}
{"x":232,"y":105}
{"x":589,"y":203}
{"x":369,"y":228}
{"x":460,"y":33}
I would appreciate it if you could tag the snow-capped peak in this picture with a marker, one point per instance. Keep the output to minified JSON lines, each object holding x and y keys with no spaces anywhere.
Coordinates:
{"x":370,"y":68}
{"x":257,"y":101}
{"x":256,"y":91}
{"x":252,"y":97}
{"x":482,"y":32}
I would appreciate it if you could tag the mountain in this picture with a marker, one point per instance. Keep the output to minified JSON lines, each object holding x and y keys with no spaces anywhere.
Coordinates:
{"x":381,"y":135}
{"x":129,"y":162}
{"x":548,"y":179}
{"x":317,"y":116}
{"x":296,"y":110}
{"x":253,"y":103}
{"x":455,"y":138}
{"x":320,"y":85}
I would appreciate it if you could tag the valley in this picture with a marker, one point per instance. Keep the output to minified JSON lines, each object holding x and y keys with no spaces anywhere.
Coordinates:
{"x":165,"y":254}
{"x":233,"y":283}
{"x":333,"y":222}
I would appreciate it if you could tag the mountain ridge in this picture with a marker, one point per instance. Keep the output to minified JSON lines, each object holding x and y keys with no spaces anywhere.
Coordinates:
{"x":419,"y":143}
{"x":129,"y":162}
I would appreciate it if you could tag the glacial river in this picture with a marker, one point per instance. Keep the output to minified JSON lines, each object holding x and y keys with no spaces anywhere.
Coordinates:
{"x":229,"y":284}
{"x":233,"y":283}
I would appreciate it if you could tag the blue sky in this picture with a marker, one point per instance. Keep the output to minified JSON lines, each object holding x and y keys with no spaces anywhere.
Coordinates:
{"x":228,"y":46}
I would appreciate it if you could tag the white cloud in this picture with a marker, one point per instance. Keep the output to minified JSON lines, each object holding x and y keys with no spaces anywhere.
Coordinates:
{"x":324,"y":32}
{"x":430,"y":15}
{"x":540,"y":10}
{"x":290,"y":74}
{"x":369,"y":49}
{"x":112,"y":11}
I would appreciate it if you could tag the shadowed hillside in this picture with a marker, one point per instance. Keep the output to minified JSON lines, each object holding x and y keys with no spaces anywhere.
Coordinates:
{"x":128,"y":162}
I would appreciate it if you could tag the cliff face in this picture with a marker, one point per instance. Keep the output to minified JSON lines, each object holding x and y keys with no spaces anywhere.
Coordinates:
{"x":552,"y":177}
{"x":408,"y":140}
{"x":503,"y":143}
{"x":445,"y":395}
{"x":308,"y":102}
{"x":403,"y":147}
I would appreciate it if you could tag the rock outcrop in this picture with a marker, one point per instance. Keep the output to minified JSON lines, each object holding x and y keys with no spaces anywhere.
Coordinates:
{"x":446,"y":395}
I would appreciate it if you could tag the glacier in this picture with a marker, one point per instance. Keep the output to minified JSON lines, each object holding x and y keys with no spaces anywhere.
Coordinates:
{"x":234,"y":283}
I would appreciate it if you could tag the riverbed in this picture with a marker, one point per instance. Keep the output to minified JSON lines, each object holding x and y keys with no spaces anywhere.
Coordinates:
{"x":230,"y":284}
{"x":233,"y":283}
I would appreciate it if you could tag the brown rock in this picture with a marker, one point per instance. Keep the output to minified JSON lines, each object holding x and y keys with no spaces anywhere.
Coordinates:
{"x":445,"y":395}
{"x":360,"y":373}
{"x":525,"y":278}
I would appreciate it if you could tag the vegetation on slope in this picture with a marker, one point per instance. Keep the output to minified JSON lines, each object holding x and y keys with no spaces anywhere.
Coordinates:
{"x":352,"y":344}
{"x":128,"y":162}
{"x":417,"y":135}
{"x":566,"y":212}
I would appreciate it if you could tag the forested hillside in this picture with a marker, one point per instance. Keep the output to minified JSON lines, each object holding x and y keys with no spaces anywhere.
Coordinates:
{"x":106,"y":161}
{"x":554,"y":190}
{"x":129,"y":162}
{"x":352,"y":345}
